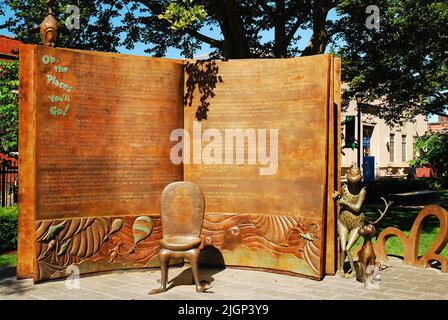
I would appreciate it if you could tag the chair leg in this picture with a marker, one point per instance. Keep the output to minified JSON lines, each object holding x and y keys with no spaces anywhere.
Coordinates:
{"x":164,"y":257}
{"x":194,"y":258}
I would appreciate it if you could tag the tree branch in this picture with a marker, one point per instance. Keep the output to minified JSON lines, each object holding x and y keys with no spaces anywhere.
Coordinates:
{"x":440,"y":113}
{"x":293,"y":30}
{"x":201,"y":37}
{"x":319,"y":39}
{"x":265,"y":7}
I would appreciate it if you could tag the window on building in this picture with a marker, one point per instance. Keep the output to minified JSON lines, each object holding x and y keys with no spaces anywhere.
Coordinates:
{"x":367,"y":132}
{"x":392,"y":148}
{"x":350,"y":141}
{"x":403,"y":148}
{"x":414,"y":140}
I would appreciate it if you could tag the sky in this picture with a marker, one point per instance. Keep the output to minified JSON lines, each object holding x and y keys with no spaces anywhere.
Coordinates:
{"x":175,"y":53}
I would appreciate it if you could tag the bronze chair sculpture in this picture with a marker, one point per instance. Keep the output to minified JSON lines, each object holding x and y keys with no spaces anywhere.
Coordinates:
{"x":182,"y":212}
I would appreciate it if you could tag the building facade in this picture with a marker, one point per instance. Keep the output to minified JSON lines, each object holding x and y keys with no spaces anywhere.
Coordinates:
{"x":384,"y":151}
{"x":440,"y":126}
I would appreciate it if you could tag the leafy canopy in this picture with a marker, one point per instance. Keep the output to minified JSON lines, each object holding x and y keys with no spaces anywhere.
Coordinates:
{"x":9,"y":113}
{"x":404,"y":62}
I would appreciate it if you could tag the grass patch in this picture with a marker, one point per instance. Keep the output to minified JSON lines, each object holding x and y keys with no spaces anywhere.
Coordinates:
{"x":403,"y":219}
{"x":8,"y":228}
{"x":9,"y":259}
{"x":443,"y":194}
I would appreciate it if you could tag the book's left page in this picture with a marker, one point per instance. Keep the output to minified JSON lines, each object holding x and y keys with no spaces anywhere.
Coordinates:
{"x":100,"y":157}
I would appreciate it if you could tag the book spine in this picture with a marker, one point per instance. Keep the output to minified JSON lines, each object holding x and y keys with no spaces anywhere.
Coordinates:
{"x":27,"y":176}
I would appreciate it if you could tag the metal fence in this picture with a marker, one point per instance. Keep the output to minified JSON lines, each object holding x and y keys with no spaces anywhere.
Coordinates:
{"x":9,"y":191}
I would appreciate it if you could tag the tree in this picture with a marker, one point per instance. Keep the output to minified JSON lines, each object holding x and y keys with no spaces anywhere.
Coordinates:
{"x":432,"y":148}
{"x":9,"y":111}
{"x":403,"y":62}
{"x":150,"y":21}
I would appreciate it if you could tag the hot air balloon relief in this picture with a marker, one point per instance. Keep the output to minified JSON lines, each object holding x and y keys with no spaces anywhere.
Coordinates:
{"x":141,"y":229}
{"x":116,"y":225}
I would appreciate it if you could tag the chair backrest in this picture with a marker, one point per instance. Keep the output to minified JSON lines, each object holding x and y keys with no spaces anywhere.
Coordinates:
{"x":182,"y":205}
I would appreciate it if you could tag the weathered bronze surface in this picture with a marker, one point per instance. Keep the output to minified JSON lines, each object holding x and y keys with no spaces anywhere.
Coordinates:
{"x":27,"y":182}
{"x":366,"y":267}
{"x":267,"y":218}
{"x":95,"y":135}
{"x":91,"y":244}
{"x":333,"y":168}
{"x":182,"y":205}
{"x":282,"y":243}
{"x":49,"y":27}
{"x":104,"y":149}
{"x":94,"y":143}
{"x":411,"y":242}
{"x":351,"y":218}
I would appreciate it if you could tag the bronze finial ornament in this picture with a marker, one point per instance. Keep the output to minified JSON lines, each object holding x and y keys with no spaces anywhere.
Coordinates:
{"x":351,"y":218}
{"x":49,"y":27}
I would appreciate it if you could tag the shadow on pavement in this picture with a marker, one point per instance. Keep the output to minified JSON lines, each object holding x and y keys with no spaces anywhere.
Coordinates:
{"x":8,"y":280}
{"x":186,"y":278}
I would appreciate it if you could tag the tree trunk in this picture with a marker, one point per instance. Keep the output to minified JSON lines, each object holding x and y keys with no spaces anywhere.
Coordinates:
{"x":319,"y":39}
{"x":235,"y":45}
{"x":280,"y":46}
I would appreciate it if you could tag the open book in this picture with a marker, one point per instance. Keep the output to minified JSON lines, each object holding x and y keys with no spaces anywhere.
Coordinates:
{"x":102,"y":134}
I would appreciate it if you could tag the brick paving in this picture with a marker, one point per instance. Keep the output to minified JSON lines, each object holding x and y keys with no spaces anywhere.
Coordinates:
{"x":398,"y":282}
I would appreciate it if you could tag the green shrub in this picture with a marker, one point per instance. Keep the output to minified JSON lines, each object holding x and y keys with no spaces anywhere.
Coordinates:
{"x":438,"y":183}
{"x":8,"y":260}
{"x":432,"y":148}
{"x":8,"y":228}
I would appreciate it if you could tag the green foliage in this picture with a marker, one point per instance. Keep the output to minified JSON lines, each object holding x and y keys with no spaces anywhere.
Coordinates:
{"x":438,"y":183}
{"x":403,"y":219}
{"x":182,"y":15}
{"x":404,"y":62}
{"x":96,"y":32}
{"x":432,"y":148}
{"x":8,"y":260}
{"x":105,"y":25}
{"x":8,"y":228}
{"x":9,"y":110}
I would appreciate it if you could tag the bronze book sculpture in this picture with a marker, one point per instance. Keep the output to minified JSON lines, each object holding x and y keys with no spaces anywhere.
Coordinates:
{"x":98,"y":146}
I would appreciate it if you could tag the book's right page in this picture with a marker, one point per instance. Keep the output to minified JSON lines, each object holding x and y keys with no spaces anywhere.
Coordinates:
{"x":257,"y":145}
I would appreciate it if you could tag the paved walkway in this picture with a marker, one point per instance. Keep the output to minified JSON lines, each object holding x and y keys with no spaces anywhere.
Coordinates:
{"x":398,"y":282}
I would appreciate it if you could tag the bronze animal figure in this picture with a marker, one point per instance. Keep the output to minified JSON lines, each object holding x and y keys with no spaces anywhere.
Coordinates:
{"x":351,"y":218}
{"x":366,"y":267}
